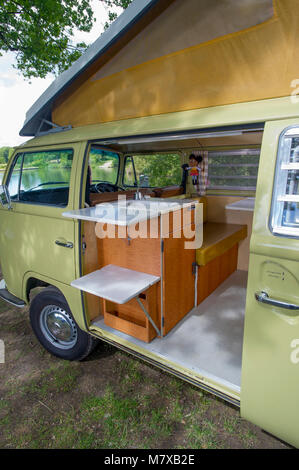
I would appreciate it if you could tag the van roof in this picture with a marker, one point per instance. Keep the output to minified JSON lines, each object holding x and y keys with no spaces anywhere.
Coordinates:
{"x":238,"y":114}
{"x":41,"y":109}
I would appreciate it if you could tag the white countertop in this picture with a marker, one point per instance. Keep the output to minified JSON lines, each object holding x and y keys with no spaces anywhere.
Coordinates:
{"x":116,"y":284}
{"x":246,"y":204}
{"x":127,"y":212}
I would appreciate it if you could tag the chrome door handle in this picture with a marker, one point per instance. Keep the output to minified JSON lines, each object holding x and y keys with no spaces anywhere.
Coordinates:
{"x":264,"y":298}
{"x":64,"y":244}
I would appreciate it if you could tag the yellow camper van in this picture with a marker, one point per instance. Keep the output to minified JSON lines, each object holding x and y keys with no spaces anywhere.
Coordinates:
{"x":157,"y":202}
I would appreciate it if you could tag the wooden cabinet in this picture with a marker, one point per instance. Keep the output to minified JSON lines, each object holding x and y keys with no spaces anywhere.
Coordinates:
{"x":154,"y":250}
{"x":129,"y":317}
{"x":164,"y":256}
{"x":178,"y":281}
{"x":211,"y":275}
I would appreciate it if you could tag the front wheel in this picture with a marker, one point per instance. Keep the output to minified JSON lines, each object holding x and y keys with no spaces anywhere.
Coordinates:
{"x":55,"y":327}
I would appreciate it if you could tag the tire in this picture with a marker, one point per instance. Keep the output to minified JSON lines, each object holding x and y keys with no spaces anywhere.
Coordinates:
{"x":55,"y":328}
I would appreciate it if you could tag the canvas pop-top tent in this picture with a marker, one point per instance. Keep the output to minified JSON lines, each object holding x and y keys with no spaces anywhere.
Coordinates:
{"x":163,"y":56}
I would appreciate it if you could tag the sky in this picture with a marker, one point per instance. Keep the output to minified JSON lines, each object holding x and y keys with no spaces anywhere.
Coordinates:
{"x":17,"y":95}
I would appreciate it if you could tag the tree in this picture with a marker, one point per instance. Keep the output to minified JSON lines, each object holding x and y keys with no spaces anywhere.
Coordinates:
{"x":162,"y":169}
{"x":40,"y":32}
{"x":111,"y":4}
{"x":5,"y":153}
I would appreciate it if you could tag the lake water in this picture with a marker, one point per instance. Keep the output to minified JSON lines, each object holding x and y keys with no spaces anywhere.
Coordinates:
{"x":32,"y":178}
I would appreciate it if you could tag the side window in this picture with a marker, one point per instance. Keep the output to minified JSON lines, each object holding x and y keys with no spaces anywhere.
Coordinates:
{"x":285,"y":200}
{"x":42,"y":177}
{"x":129,"y":173}
{"x":156,"y":170}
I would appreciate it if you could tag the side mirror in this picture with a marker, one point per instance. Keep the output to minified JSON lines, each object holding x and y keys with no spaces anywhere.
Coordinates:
{"x":5,"y":197}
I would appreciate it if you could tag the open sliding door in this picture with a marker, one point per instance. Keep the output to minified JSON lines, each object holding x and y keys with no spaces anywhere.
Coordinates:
{"x":270,"y":364}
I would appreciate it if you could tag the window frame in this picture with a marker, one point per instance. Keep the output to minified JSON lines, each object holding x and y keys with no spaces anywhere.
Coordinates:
{"x":35,"y":151}
{"x":272,"y":226}
{"x":11,"y":169}
{"x":123,"y":176}
{"x":105,"y":149}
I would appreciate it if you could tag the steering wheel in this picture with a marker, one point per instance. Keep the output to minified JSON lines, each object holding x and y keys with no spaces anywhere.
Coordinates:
{"x":106,"y":187}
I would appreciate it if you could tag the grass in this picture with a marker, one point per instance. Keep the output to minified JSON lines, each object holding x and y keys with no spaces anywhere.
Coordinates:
{"x":230,"y":424}
{"x":3,"y":306}
{"x":60,"y":380}
{"x":203,"y":436}
{"x":111,"y":401}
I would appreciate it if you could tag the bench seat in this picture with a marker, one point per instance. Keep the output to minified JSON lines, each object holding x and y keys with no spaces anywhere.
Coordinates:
{"x":217,"y":239}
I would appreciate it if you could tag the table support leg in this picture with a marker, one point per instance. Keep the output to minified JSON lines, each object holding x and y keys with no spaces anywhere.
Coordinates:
{"x":149,"y":317}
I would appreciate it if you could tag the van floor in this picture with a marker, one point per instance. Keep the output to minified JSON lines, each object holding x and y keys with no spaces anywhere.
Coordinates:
{"x":209,"y":339}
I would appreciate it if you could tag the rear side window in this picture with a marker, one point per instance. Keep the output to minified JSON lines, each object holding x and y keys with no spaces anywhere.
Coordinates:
{"x":233,"y":169}
{"x":285,"y":201}
{"x":42,"y":177}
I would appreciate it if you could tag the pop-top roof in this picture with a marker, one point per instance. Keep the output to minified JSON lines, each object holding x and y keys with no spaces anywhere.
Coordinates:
{"x":41,"y":109}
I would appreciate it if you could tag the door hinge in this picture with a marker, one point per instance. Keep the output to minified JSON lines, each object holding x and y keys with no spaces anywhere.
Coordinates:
{"x":83,"y":247}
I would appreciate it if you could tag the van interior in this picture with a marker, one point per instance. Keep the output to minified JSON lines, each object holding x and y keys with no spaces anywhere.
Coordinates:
{"x":208,"y":339}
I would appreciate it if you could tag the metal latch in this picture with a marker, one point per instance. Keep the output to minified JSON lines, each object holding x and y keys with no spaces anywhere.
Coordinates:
{"x":194,"y":268}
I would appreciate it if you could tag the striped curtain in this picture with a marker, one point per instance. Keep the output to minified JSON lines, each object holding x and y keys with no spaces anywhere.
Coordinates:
{"x":203,"y":178}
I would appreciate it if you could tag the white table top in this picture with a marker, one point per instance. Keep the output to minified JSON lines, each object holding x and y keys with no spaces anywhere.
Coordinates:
{"x":114,"y":283}
{"x":127,"y":212}
{"x":246,"y":204}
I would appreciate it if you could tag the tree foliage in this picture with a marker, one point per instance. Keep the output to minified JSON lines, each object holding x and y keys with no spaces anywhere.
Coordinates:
{"x":41,"y":32}
{"x":112,"y":14}
{"x":161,"y":169}
{"x":5,"y":153}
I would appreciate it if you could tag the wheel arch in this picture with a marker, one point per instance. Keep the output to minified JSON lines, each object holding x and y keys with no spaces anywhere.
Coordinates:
{"x":32,"y":283}
{"x":72,"y":296}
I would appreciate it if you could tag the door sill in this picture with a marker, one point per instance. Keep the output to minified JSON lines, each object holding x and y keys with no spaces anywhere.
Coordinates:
{"x":11,"y":299}
{"x":215,"y":385}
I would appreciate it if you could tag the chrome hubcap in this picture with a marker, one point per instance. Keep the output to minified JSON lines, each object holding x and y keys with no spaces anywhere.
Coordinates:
{"x":58,"y":327}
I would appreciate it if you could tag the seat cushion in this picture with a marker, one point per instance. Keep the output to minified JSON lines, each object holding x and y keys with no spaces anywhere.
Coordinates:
{"x":217,"y":239}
